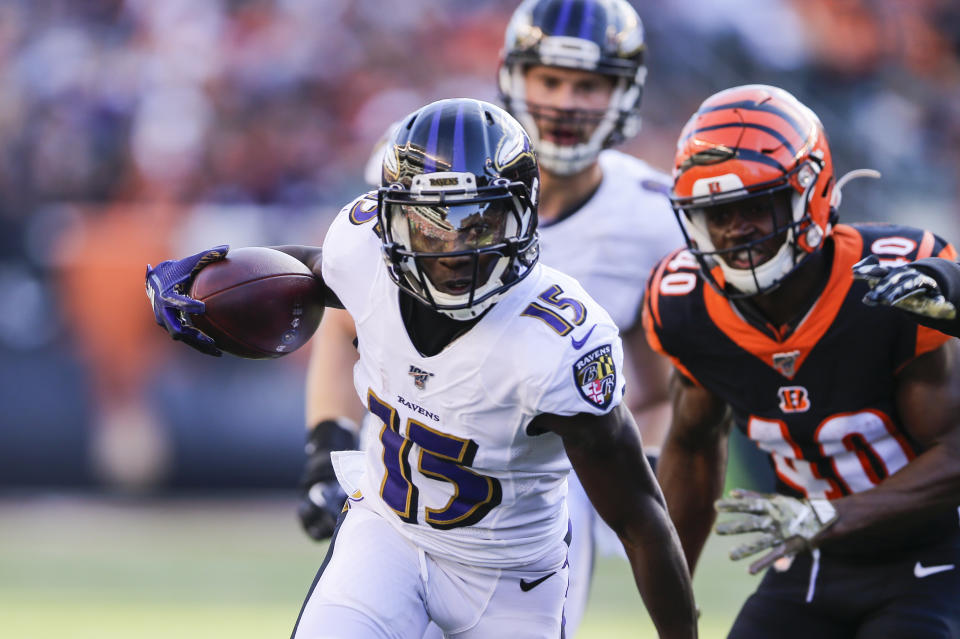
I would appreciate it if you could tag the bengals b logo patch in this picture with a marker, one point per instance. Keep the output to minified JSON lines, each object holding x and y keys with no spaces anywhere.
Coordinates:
{"x":596,"y":376}
{"x":794,"y":399}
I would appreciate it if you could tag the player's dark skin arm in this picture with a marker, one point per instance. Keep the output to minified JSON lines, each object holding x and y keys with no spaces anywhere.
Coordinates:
{"x":607,"y":455}
{"x":928,"y":399}
{"x":693,"y":462}
{"x":312,"y":256}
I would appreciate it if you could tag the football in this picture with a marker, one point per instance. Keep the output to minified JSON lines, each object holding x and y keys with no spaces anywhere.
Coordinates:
{"x":260,"y":303}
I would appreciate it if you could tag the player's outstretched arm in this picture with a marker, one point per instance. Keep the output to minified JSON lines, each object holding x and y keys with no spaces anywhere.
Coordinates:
{"x":928,"y":400}
{"x":168,"y":286}
{"x":607,"y":455}
{"x":927,"y":289}
{"x":693,"y":462}
{"x":330,"y":392}
{"x":312,"y":257}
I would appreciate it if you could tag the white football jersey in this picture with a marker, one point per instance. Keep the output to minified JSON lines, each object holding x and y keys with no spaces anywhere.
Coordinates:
{"x":453,"y":467}
{"x":612,"y":242}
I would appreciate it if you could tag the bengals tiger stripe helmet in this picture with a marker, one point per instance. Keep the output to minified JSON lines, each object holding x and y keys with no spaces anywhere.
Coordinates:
{"x":749,"y":142}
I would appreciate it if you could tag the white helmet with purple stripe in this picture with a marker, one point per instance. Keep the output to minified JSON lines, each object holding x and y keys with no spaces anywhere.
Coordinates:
{"x":602,"y":36}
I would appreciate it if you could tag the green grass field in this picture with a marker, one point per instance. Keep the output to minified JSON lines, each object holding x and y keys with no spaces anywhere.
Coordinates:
{"x":234,"y":569}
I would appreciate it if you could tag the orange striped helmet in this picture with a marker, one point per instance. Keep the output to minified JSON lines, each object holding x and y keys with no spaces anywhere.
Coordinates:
{"x":747,"y":142}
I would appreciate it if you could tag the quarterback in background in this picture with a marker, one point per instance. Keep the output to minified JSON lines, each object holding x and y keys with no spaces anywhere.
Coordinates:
{"x":490,"y":375}
{"x":572,"y":72}
{"x":857,"y":407}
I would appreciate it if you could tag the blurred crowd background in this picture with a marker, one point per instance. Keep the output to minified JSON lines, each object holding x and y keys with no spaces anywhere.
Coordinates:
{"x":137,"y":130}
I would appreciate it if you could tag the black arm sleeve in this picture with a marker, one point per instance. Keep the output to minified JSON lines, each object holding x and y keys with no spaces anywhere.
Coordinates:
{"x":327,"y":436}
{"x":311,"y":256}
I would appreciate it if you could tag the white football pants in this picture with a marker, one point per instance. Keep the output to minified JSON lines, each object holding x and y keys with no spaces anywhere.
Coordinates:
{"x":376,"y":584}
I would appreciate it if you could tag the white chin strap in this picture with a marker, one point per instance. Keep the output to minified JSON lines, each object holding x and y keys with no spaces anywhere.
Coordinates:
{"x":780,"y":265}
{"x":746,"y":280}
{"x":851,"y":175}
{"x":565,"y":160}
{"x":763,"y":277}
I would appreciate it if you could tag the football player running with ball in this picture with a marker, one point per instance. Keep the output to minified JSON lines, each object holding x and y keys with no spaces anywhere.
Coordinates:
{"x":572,"y":73}
{"x":857,"y":407}
{"x":491,"y":376}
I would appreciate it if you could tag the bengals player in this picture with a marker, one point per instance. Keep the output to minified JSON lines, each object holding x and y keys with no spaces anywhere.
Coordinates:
{"x":857,"y":407}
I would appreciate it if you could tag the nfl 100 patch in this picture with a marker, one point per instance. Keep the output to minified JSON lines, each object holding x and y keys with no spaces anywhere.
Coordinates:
{"x":596,"y":376}
{"x":419,"y":376}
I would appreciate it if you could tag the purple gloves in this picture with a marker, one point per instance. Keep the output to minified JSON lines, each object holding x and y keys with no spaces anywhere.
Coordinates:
{"x":167,"y":288}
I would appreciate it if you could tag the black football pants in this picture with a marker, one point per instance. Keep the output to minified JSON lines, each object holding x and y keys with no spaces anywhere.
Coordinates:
{"x":912,"y":596}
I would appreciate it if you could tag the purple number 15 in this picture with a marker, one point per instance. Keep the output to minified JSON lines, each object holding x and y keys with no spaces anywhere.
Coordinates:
{"x":442,"y":457}
{"x":553,"y":319}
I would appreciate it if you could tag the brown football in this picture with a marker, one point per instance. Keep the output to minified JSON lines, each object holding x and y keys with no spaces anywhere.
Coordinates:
{"x":260,"y":303}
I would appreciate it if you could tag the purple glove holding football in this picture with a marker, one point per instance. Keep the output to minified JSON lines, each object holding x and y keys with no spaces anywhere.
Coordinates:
{"x":167,"y":286}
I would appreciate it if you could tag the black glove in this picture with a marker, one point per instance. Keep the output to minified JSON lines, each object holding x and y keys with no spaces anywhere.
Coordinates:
{"x":323,"y":498}
{"x":908,"y":287}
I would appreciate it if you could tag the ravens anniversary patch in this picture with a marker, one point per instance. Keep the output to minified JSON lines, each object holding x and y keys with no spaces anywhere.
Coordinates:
{"x":596,"y":376}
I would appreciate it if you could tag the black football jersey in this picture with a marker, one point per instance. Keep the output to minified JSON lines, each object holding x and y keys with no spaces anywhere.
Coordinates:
{"x":820,"y":401}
